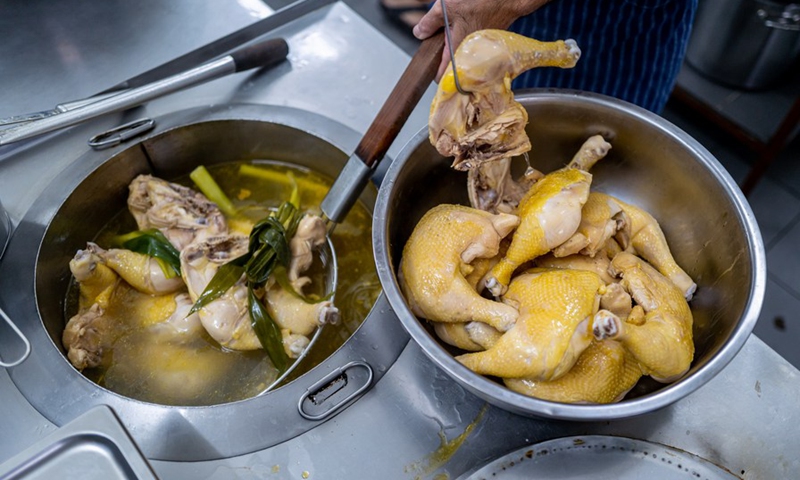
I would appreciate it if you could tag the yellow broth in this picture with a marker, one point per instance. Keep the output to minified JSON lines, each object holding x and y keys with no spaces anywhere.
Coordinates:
{"x":149,"y":367}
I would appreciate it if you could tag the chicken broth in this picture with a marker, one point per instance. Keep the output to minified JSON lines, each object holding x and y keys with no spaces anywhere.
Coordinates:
{"x":152,"y":363}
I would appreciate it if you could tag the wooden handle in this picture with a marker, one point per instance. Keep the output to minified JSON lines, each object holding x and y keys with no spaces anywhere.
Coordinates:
{"x":404,"y":98}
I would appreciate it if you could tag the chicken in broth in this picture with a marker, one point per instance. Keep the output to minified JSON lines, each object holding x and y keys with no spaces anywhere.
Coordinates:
{"x":166,"y":315}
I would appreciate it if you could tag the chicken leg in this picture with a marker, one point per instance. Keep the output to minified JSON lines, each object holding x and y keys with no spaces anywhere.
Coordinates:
{"x":604,"y":373}
{"x":436,"y":259}
{"x":663,"y":343}
{"x":488,"y":124}
{"x":553,"y":329}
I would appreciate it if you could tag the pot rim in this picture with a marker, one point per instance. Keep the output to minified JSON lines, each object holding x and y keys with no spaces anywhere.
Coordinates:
{"x":522,"y":404}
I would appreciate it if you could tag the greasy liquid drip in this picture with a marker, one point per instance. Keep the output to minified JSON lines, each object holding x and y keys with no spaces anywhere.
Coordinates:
{"x":147,"y":365}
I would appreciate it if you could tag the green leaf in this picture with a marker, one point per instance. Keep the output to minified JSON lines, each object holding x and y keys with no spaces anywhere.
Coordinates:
{"x":153,"y":243}
{"x":267,"y":331}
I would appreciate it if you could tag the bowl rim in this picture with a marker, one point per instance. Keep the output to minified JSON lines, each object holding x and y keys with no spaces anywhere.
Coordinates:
{"x":501,"y":396}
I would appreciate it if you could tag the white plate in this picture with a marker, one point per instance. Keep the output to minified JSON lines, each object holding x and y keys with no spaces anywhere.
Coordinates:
{"x":599,"y":457}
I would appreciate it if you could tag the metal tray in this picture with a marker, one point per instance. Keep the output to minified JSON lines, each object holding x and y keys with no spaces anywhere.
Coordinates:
{"x":93,"y":446}
{"x":599,"y":457}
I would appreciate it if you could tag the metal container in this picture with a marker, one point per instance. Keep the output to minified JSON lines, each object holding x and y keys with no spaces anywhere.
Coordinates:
{"x":93,"y":190}
{"x":748,"y":44}
{"x":710,"y":228}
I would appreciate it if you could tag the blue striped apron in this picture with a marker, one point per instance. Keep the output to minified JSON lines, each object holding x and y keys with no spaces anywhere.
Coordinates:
{"x":631,"y":49}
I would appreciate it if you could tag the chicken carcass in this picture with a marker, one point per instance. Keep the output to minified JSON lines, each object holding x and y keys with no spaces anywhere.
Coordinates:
{"x":437,"y":258}
{"x":662,"y":342}
{"x":488,"y":124}
{"x":604,"y":373}
{"x":555,"y":325}
{"x":491,"y":187}
{"x":180,"y":213}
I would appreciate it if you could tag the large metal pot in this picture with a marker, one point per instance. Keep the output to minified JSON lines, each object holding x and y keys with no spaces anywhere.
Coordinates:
{"x":707,"y":221}
{"x":750,"y":44}
{"x":35,"y":274}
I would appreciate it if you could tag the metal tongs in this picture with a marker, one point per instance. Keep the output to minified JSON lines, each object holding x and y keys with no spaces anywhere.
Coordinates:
{"x":21,"y":127}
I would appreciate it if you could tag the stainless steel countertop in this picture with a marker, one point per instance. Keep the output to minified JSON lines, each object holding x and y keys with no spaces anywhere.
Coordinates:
{"x":341,"y":67}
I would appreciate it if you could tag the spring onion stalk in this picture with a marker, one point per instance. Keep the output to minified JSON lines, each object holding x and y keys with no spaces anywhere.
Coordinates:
{"x":206,"y":183}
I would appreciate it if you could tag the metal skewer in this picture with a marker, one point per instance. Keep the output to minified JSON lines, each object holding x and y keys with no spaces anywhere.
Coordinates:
{"x":450,"y":47}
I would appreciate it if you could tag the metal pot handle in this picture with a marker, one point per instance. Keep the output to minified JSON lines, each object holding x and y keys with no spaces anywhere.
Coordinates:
{"x":22,"y":337}
{"x":788,"y":19}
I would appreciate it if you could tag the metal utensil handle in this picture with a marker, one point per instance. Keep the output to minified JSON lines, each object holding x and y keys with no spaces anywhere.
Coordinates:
{"x":418,"y":75}
{"x":359,"y":168}
{"x":265,"y":53}
{"x":21,"y":336}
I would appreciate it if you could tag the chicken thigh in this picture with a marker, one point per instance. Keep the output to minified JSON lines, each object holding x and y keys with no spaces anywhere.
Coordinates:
{"x":297,"y":318}
{"x":662,"y":344}
{"x":599,"y":222}
{"x":555,"y":326}
{"x":437,"y":257}
{"x":180,"y":213}
{"x":488,"y":124}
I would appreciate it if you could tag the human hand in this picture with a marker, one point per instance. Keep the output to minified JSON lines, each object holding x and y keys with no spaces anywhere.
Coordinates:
{"x":467,"y":16}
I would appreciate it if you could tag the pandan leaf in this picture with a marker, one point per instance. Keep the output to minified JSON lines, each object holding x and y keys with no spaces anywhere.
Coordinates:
{"x":267,"y":331}
{"x":153,"y":243}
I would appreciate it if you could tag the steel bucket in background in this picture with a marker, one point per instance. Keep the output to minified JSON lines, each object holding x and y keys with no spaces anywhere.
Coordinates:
{"x":746,"y":44}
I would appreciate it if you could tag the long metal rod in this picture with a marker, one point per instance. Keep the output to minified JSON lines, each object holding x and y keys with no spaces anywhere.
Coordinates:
{"x":198,"y":56}
{"x":125,"y":100}
{"x":223,"y":45}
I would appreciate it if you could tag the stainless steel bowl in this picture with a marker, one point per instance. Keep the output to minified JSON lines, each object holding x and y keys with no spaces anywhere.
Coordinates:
{"x":710,"y":228}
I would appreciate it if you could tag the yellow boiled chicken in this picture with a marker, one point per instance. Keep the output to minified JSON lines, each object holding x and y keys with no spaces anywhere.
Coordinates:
{"x":599,"y":222}
{"x":488,"y":124}
{"x":141,"y":271}
{"x":662,"y":341}
{"x":227,"y":318}
{"x":555,"y":325}
{"x":437,"y":258}
{"x":604,"y":373}
{"x":110,"y":308}
{"x":296,"y":318}
{"x":598,"y":264}
{"x":550,"y":213}
{"x":180,"y":213}
{"x":641,"y":232}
